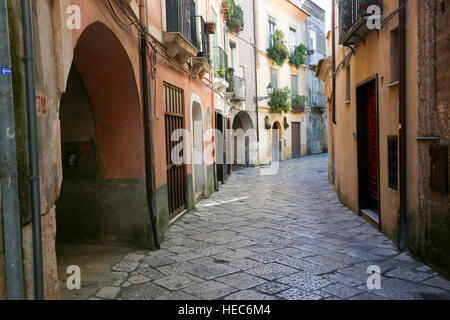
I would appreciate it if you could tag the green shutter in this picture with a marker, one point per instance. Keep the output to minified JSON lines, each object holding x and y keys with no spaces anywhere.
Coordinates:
{"x":294,"y":85}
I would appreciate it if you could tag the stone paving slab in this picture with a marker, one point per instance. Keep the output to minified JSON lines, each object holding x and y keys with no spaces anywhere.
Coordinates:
{"x":287,"y":237}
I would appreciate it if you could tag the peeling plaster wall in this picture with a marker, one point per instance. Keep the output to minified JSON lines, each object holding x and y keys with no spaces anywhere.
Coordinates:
{"x":429,"y":225}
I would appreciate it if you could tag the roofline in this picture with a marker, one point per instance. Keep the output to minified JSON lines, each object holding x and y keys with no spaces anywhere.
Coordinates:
{"x":305,"y":12}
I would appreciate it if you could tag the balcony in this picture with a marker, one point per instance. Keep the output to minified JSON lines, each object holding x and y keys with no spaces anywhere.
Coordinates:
{"x":318,"y":100}
{"x":298,"y":103}
{"x":236,"y":90}
{"x":180,"y":36}
{"x":353,"y":26}
{"x":202,"y":63}
{"x":220,"y":62}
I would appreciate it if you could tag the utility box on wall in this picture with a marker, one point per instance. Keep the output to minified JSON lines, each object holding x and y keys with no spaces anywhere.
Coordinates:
{"x":439,"y":169}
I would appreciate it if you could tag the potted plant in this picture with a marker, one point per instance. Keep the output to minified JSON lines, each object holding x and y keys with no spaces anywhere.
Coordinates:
{"x":279,"y":100}
{"x":298,"y":58}
{"x":221,"y":72}
{"x":267,"y":125}
{"x":286,"y":124}
{"x":298,"y":103}
{"x":278,"y":51}
{"x":211,"y":27}
{"x":236,"y":21}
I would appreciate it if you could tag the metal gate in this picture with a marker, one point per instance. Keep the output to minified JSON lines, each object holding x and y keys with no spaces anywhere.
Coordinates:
{"x":176,"y":172}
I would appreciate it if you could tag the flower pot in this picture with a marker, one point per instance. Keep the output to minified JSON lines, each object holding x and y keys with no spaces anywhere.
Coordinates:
{"x":224,"y":5}
{"x":211,"y":28}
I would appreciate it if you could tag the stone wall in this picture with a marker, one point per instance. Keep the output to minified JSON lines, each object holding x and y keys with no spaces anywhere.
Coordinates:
{"x":2,"y":255}
{"x":429,"y":227}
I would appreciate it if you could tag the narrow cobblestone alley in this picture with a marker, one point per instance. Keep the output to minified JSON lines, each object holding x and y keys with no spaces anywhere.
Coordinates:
{"x":273,"y":237}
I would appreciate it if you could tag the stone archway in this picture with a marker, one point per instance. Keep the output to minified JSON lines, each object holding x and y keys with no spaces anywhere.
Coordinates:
{"x":244,"y":140}
{"x":198,"y":158}
{"x":103,"y":194}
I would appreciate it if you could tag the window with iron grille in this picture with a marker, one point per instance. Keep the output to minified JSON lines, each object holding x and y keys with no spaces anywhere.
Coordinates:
{"x":393,"y":162}
{"x":180,"y":17}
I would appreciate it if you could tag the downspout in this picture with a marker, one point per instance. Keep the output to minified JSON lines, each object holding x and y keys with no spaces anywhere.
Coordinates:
{"x":33,"y":148}
{"x":256,"y":73}
{"x":148,"y":128}
{"x":402,"y":126}
{"x":8,"y":168}
{"x":333,"y":90}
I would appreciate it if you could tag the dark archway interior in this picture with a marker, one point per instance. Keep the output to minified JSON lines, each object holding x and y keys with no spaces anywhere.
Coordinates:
{"x":103,"y":195}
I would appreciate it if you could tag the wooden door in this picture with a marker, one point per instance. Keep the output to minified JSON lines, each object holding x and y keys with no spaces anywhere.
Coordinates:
{"x":296,"y":140}
{"x":372,"y":143}
{"x":176,"y":172}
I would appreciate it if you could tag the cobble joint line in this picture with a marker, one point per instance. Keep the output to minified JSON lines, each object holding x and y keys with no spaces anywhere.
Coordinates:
{"x":285,"y":237}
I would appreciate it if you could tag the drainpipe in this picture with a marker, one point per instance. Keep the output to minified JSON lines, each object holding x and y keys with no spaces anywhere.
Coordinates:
{"x":8,"y":169}
{"x":333,"y":90}
{"x":402,"y":126}
{"x":148,"y":128}
{"x":33,"y":148}
{"x":256,"y":75}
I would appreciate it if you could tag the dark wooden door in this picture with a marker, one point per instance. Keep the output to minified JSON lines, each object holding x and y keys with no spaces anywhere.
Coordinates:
{"x":176,"y":170}
{"x":296,"y":140}
{"x":372,"y":143}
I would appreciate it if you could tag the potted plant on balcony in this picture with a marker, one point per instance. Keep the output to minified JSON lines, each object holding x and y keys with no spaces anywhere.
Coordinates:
{"x":236,"y":21}
{"x":299,"y":103}
{"x":279,"y":100}
{"x":278,"y":51}
{"x":221,"y":72}
{"x":211,"y":27}
{"x":298,"y":58}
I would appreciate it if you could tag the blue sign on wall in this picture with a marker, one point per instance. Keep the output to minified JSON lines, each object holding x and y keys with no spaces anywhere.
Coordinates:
{"x":5,"y":71}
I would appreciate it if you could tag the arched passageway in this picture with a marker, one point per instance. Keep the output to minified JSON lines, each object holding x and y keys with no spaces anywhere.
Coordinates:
{"x":198,"y":163}
{"x":244,"y":139}
{"x":103,"y":195}
{"x":276,"y":142}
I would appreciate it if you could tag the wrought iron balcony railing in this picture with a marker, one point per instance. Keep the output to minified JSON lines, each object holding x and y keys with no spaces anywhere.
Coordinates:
{"x":317,"y":99}
{"x":239,"y":88}
{"x":236,"y":86}
{"x":298,"y":103}
{"x":353,"y":16}
{"x":220,"y":61}
{"x":180,"y":17}
{"x":204,"y":40}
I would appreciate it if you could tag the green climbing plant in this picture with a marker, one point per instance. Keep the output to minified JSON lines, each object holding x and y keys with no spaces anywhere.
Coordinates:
{"x":278,"y":51}
{"x":298,"y":58}
{"x":280,"y":100}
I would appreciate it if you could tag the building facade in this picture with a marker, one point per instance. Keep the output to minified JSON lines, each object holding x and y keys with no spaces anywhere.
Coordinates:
{"x":389,"y":121}
{"x":108,"y":108}
{"x":315,"y":36}
{"x":282,"y":134}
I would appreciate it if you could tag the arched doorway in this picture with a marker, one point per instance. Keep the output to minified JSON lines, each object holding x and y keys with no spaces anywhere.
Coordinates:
{"x":244,"y":139}
{"x":198,"y":159}
{"x":103,"y":194}
{"x":276,"y":144}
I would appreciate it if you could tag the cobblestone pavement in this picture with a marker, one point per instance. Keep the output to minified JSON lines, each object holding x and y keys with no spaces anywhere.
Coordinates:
{"x":273,"y":237}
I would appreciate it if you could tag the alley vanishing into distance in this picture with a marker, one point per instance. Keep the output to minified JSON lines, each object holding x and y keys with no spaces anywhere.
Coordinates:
{"x":272,"y":237}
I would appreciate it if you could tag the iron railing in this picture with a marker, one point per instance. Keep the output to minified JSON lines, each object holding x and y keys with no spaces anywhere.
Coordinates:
{"x":236,"y":85}
{"x":298,"y":103}
{"x":352,"y":11}
{"x":204,"y":40}
{"x":180,"y":17}
{"x":317,"y":99}
{"x":239,"y":88}
{"x":220,"y":59}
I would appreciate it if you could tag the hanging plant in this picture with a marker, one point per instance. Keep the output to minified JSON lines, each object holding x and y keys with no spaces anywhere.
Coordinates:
{"x":279,"y":101}
{"x":299,"y":57}
{"x":236,"y":22}
{"x":286,"y":124}
{"x":278,"y":51}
